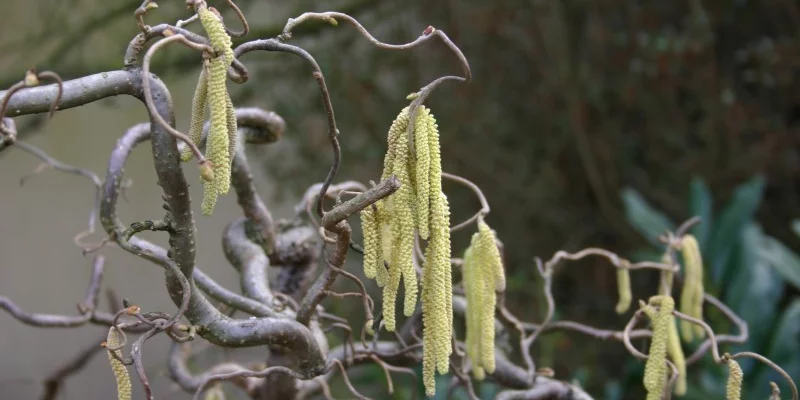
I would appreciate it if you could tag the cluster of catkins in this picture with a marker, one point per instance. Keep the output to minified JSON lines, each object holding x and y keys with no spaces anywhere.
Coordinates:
{"x":212,"y":91}
{"x":483,"y":278}
{"x":666,"y":341}
{"x":389,"y":227}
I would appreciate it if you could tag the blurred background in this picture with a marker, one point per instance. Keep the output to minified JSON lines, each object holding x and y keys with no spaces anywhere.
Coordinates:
{"x":588,"y":123}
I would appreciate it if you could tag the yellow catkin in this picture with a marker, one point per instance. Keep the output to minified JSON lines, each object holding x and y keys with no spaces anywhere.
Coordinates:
{"x":482,"y":262}
{"x":472,"y":288}
{"x":385,"y":249}
{"x":440,"y":215}
{"x":488,"y":258}
{"x":120,"y":372}
{"x":198,"y":113}
{"x":230,"y":117}
{"x":733,"y":389}
{"x":655,"y":370}
{"x":402,"y":228}
{"x":217,"y":36}
{"x":221,"y":142}
{"x":424,"y":123}
{"x":419,"y":205}
{"x":437,"y":296}
{"x":372,"y":241}
{"x":692,"y":293}
{"x":623,"y":290}
{"x":217,"y":144}
{"x":675,"y":353}
{"x":398,"y":127}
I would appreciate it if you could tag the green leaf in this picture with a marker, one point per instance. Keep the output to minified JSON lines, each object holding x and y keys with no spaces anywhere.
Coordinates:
{"x":782,"y":259}
{"x":736,"y":215}
{"x":648,"y":221}
{"x":783,"y":350}
{"x":700,"y":205}
{"x":754,"y":291}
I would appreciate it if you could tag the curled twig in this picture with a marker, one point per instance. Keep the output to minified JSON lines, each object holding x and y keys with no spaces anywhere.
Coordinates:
{"x":477,"y":190}
{"x":148,"y":95}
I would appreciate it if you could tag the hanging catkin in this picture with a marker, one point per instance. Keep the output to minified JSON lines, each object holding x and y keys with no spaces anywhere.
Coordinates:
{"x":483,"y":276}
{"x":389,"y":227}
{"x":692,"y":293}
{"x":221,"y":141}
{"x":733,"y":388}
{"x":655,"y":370}
{"x":120,"y":372}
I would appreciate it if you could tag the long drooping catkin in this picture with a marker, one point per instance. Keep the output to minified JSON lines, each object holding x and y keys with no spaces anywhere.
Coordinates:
{"x":692,"y":293}
{"x":198,"y":112}
{"x":419,"y":205}
{"x":655,"y":370}
{"x":221,"y":142}
{"x":482,"y":262}
{"x":120,"y":372}
{"x":624,"y":290}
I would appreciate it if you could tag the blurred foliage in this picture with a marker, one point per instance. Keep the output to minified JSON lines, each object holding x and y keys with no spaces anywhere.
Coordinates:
{"x":573,"y":102}
{"x":751,"y":272}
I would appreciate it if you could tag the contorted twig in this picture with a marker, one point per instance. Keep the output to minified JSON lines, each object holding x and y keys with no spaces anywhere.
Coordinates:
{"x":148,"y":95}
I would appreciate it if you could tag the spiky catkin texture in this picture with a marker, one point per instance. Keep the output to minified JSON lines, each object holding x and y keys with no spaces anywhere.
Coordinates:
{"x":655,"y":370}
{"x":424,"y":127}
{"x":692,"y":293}
{"x":733,"y":389}
{"x":217,"y":144}
{"x":221,"y":142}
{"x":198,"y":112}
{"x":483,"y":276}
{"x":118,"y":368}
{"x":389,"y":229}
{"x":217,"y":36}
{"x":624,"y":290}
{"x":675,"y":353}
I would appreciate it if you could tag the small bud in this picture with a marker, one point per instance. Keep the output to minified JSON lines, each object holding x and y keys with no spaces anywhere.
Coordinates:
{"x":429,"y":30}
{"x":168,"y":32}
{"x":546,"y":372}
{"x":133,"y":310}
{"x":31,"y":78}
{"x":151,"y":6}
{"x":333,"y":21}
{"x":206,"y":173}
{"x":368,"y":326}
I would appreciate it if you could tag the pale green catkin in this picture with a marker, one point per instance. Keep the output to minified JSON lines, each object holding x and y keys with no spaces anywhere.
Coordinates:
{"x":692,"y":293}
{"x":733,"y":388}
{"x":482,"y":262}
{"x":198,"y":112}
{"x":120,"y":371}
{"x":419,"y":205}
{"x":217,"y":144}
{"x":655,"y":370}
{"x":423,"y":125}
{"x":372,"y":250}
{"x":221,"y":142}
{"x":624,"y":290}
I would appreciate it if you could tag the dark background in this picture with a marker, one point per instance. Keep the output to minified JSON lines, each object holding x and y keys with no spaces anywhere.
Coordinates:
{"x":573,"y":104}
